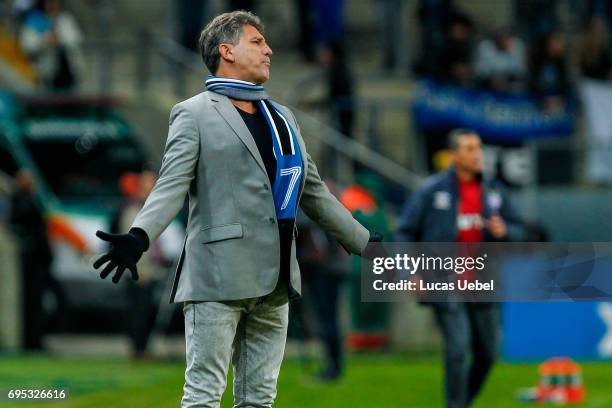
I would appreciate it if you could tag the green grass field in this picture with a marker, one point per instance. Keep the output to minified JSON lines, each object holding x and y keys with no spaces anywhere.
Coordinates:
{"x":390,"y":380}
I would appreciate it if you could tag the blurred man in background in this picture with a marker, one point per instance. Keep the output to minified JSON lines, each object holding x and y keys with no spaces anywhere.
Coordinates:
{"x":460,"y":206}
{"x":455,"y":58}
{"x":549,"y":77}
{"x":30,"y":228}
{"x":323,"y":269}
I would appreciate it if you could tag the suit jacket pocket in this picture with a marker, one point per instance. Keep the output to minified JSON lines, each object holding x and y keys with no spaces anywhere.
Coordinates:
{"x":221,"y":232}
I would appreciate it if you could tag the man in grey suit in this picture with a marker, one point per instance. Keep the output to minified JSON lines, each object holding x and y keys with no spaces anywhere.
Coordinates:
{"x":242,"y":161}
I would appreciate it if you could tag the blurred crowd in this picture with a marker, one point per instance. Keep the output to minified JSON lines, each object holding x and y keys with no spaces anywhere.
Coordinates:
{"x":536,"y":55}
{"x":51,"y":38}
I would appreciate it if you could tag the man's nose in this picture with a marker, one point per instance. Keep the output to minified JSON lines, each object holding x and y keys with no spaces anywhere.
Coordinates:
{"x":268,"y":50}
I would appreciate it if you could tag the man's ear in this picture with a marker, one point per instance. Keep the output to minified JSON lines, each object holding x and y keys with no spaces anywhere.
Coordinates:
{"x":226,"y":51}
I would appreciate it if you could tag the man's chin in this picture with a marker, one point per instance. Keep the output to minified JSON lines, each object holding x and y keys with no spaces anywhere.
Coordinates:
{"x":263,"y":77}
{"x":476,"y":169}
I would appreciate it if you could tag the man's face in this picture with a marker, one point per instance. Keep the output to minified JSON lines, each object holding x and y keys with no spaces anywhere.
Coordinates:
{"x":251,"y":56}
{"x":468,"y":155}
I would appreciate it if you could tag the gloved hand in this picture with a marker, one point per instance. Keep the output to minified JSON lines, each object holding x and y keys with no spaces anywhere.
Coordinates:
{"x":373,"y":249}
{"x":376,"y":237}
{"x":125,"y":251}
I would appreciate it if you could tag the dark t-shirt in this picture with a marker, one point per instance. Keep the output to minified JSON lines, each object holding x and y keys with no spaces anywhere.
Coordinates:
{"x":258,"y":126}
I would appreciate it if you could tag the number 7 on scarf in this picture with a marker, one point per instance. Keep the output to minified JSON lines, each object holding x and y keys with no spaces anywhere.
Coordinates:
{"x":294,"y":172}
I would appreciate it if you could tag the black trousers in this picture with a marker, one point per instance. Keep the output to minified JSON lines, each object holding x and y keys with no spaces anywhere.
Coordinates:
{"x":142,"y":315}
{"x":34,"y":274}
{"x":471,"y":337}
{"x":324,"y":293}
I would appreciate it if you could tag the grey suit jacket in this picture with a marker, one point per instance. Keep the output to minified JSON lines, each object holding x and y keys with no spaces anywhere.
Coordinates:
{"x":232,"y":248}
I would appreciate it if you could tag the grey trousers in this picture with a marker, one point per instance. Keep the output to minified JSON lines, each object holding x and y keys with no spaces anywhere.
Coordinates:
{"x":250,"y":333}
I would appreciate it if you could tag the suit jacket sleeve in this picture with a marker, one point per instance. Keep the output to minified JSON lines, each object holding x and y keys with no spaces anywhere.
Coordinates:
{"x":175,"y":176}
{"x":324,"y":209}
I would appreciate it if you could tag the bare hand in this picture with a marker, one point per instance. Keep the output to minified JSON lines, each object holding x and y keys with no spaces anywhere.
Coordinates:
{"x":497,"y":227}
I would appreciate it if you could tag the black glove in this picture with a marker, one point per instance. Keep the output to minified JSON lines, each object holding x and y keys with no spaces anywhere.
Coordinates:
{"x":125,"y":251}
{"x":373,"y":249}
{"x":376,"y":237}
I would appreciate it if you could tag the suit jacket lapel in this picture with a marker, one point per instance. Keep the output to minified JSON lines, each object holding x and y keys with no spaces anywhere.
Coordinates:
{"x":228,"y":112}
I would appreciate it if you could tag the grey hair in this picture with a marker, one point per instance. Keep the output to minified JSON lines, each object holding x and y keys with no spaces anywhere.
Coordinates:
{"x":455,"y":135}
{"x":225,"y":28}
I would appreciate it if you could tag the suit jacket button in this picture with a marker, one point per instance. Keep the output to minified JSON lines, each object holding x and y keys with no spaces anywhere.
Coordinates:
{"x":266,"y":187}
{"x":272,"y":220}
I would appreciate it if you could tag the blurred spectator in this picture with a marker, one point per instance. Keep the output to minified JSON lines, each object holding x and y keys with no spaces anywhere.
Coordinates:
{"x":548,"y":76}
{"x":594,"y":54}
{"x":500,"y":62}
{"x":323,"y":275}
{"x":433,"y":16}
{"x":305,"y":20}
{"x":535,"y":18}
{"x":601,"y":8}
{"x":190,"y":18}
{"x":446,"y":41}
{"x":340,"y":85}
{"x":454,"y":63}
{"x":20,"y":10}
{"x":328,"y":21}
{"x":30,"y":228}
{"x":365,"y":201}
{"x":52,"y":39}
{"x":136,"y":189}
{"x":460,"y":205}
{"x":333,"y":57}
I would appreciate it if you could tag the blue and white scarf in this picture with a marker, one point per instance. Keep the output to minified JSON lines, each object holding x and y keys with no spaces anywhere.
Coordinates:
{"x":289,"y":164}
